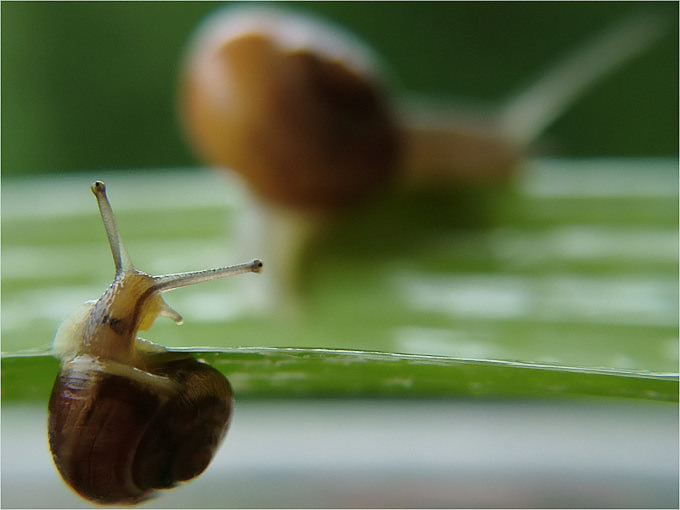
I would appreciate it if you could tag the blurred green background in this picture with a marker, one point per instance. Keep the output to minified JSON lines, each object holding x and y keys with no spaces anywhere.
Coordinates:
{"x":92,"y":85}
{"x":574,"y":265}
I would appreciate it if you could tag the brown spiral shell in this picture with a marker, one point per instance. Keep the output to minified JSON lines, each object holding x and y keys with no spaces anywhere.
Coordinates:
{"x":291,"y":106}
{"x":116,"y":437}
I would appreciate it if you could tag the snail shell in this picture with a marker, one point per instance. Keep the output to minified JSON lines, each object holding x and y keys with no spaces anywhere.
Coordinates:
{"x":127,"y":417}
{"x":292,"y":104}
{"x":117,"y":436}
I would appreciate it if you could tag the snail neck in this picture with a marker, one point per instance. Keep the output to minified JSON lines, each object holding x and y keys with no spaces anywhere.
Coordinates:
{"x":129,"y":304}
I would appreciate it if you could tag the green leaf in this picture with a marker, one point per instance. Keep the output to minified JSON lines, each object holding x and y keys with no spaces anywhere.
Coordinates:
{"x":524,"y":290}
{"x":286,"y":372}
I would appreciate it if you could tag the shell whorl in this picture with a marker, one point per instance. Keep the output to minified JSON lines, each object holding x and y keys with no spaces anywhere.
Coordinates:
{"x":116,"y":437}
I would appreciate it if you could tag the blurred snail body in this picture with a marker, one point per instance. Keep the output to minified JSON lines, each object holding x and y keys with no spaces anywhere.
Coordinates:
{"x":301,"y":110}
{"x":126,"y":416}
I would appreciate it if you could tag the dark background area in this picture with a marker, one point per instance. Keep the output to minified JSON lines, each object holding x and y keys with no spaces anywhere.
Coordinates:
{"x":93,"y":85}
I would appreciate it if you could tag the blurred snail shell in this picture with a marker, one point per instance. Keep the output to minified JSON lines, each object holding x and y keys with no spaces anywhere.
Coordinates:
{"x":292,"y":104}
{"x":126,"y":416}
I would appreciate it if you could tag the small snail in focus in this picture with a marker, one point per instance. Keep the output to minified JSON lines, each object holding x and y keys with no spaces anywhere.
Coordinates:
{"x":126,"y":416}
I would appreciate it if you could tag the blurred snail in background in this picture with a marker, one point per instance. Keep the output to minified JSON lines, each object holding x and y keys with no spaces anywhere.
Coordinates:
{"x":126,"y":416}
{"x":293,"y":105}
{"x":300,"y":109}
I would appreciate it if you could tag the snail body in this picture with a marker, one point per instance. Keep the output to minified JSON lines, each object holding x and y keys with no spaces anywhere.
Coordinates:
{"x":302,"y":111}
{"x":126,"y":416}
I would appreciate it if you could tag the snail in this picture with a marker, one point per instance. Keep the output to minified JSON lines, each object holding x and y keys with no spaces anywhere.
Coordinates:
{"x":302,"y":110}
{"x":126,"y":416}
